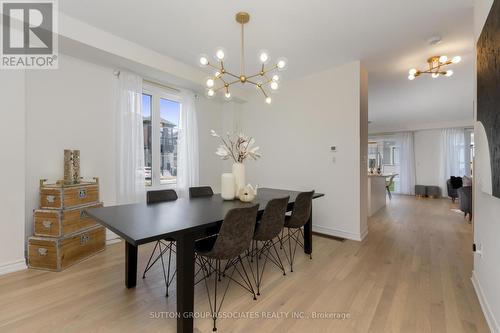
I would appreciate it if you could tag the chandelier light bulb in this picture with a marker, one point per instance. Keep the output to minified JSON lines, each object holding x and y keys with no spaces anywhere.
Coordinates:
{"x":268,"y":100}
{"x":227,"y":95}
{"x":274,"y":85}
{"x":412,"y":72}
{"x":456,"y":59}
{"x":210,"y":82}
{"x":435,"y":75}
{"x":443,"y":59}
{"x":264,"y":57}
{"x":281,"y":64}
{"x":217,"y":74}
{"x":276,"y":77}
{"x":449,"y":73}
{"x":411,"y":77}
{"x":220,"y":54}
{"x":210,"y":93}
{"x":203,"y":61}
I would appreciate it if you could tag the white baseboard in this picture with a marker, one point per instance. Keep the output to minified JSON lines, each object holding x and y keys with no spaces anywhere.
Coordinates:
{"x":490,"y":318}
{"x":111,"y":237}
{"x":113,"y":241}
{"x":339,"y":233}
{"x":13,"y":266}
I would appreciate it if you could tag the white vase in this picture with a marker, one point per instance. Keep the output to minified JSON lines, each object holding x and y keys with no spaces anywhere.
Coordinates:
{"x":228,"y":187}
{"x":239,"y":176}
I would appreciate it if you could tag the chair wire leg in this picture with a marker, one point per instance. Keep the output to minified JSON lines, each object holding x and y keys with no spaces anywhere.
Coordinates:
{"x":281,"y":266}
{"x":168,"y":269}
{"x":257,"y":256}
{"x":164,"y":275}
{"x":247,"y":278}
{"x":214,"y":309}
{"x":149,"y":261}
{"x":261,"y":275}
{"x":290,"y":250}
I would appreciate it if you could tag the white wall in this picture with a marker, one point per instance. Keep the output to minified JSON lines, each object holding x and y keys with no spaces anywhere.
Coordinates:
{"x":295,"y":133}
{"x":69,"y":108}
{"x":12,"y":167}
{"x":427,"y":145}
{"x":73,"y":107}
{"x":486,"y":274}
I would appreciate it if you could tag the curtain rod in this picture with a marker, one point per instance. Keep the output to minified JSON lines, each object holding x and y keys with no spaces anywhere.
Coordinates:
{"x":116,"y":72}
{"x":419,"y":130}
{"x":161,"y":85}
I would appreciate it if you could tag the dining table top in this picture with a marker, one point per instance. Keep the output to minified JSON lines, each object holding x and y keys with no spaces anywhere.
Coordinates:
{"x":142,"y":223}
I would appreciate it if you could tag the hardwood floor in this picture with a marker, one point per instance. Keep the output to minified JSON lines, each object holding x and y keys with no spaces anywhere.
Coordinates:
{"x":411,"y":274}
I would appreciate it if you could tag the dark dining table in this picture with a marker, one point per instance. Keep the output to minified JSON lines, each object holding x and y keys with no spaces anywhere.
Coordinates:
{"x":184,"y":220}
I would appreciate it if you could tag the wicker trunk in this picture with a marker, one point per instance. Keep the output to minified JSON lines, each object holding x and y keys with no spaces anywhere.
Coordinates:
{"x":56,"y":254}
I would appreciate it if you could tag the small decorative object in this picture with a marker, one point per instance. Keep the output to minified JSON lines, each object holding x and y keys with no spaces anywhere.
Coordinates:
{"x":228,"y":186}
{"x":247,"y":193}
{"x":71,"y":166}
{"x":238,"y":147}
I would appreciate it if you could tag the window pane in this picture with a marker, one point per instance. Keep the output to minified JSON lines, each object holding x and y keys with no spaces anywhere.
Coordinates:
{"x":146,"y":122}
{"x":169,"y":122}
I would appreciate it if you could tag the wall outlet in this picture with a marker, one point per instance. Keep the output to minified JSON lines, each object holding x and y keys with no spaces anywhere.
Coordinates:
{"x":478,"y":249}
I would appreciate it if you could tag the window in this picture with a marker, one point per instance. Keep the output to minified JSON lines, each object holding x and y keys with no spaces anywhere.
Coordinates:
{"x":160,"y":116}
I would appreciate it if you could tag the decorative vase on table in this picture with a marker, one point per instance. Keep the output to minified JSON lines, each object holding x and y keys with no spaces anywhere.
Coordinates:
{"x":239,"y":176}
{"x":237,"y":147}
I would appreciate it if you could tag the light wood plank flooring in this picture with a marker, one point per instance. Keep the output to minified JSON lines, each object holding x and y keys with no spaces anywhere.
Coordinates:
{"x":411,"y":274}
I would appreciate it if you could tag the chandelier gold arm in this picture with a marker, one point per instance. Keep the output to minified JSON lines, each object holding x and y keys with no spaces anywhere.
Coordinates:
{"x":263,"y":91}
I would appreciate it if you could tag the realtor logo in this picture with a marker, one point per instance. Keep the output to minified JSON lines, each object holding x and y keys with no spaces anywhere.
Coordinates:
{"x":28,"y":35}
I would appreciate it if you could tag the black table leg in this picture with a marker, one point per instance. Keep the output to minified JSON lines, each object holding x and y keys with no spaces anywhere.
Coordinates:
{"x":185,"y":283}
{"x":308,"y":235}
{"x":130,"y":265}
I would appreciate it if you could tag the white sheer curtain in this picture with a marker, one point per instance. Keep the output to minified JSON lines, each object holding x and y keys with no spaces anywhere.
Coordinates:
{"x":406,"y":163}
{"x":130,"y":186}
{"x":453,"y":152}
{"x":188,"y":156}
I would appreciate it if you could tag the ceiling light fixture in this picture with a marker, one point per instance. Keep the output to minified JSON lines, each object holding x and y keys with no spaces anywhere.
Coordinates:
{"x":227,"y":78}
{"x":436,"y":65}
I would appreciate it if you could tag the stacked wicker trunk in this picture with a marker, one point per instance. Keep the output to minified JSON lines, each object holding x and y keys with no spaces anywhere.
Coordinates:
{"x":64,"y":234}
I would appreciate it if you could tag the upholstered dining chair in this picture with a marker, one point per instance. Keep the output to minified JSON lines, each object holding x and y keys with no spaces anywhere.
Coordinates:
{"x":294,"y":223}
{"x":154,"y":197}
{"x":233,"y":240}
{"x":267,"y":230}
{"x":200,"y":191}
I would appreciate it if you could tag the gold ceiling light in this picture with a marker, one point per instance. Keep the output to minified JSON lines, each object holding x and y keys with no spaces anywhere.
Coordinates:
{"x":262,"y":79}
{"x":436,"y":65}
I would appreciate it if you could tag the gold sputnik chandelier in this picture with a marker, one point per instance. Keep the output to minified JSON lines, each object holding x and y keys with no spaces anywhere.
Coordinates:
{"x":222,"y":79}
{"x":436,"y":65}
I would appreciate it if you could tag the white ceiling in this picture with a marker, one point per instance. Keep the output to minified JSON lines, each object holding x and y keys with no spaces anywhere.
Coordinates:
{"x":388,"y":36}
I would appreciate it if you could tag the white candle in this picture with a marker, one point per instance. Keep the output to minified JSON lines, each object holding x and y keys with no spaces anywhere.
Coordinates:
{"x":227,"y":186}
